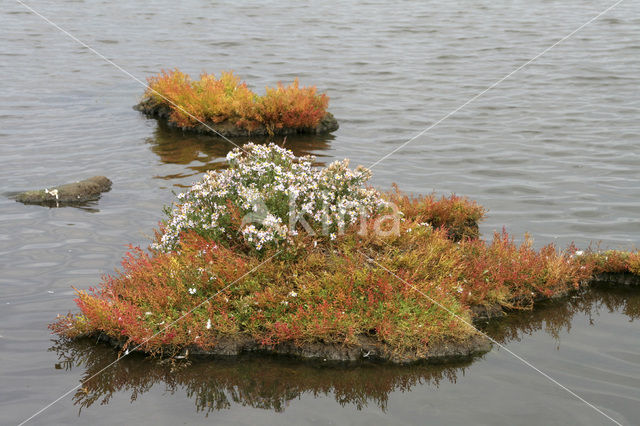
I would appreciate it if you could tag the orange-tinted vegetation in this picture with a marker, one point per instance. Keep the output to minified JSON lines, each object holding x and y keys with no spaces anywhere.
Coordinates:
{"x":227,"y":99}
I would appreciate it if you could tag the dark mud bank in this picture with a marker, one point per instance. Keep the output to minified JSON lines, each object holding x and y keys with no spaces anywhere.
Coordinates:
{"x":365,"y":348}
{"x":227,"y":129}
{"x":68,"y":194}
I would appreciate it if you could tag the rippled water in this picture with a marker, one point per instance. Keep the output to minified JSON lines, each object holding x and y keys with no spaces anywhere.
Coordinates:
{"x":553,"y":150}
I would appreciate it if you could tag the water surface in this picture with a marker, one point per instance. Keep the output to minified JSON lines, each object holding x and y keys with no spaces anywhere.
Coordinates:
{"x":553,"y":151}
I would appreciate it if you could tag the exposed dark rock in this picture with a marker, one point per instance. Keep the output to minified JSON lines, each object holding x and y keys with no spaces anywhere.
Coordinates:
{"x":227,"y":129}
{"x":68,"y":194}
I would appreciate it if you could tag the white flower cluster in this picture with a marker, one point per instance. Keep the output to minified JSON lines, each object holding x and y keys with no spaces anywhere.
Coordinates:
{"x":277,"y":194}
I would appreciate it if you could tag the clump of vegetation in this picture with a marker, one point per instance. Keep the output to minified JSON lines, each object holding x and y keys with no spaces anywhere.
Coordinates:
{"x":227,"y":99}
{"x":611,"y":261}
{"x":267,"y":195}
{"x":458,"y":215}
{"x":403,"y":272}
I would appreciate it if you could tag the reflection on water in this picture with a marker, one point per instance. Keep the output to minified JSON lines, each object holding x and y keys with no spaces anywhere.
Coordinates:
{"x":90,"y":206}
{"x":201,"y":153}
{"x":555,"y":316}
{"x":272,"y":383}
{"x":259,"y":381}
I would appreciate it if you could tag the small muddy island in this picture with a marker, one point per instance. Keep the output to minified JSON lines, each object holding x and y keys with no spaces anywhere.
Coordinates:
{"x":274,"y":255}
{"x":226,"y":107}
{"x":67,"y":194}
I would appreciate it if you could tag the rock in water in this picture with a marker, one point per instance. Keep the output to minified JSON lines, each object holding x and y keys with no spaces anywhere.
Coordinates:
{"x":70,"y":193}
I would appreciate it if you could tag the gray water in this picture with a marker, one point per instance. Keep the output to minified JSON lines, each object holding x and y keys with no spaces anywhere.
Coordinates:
{"x":551,"y":151}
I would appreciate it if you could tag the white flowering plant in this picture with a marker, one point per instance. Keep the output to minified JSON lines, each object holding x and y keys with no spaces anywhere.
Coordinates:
{"x":266,"y":196}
